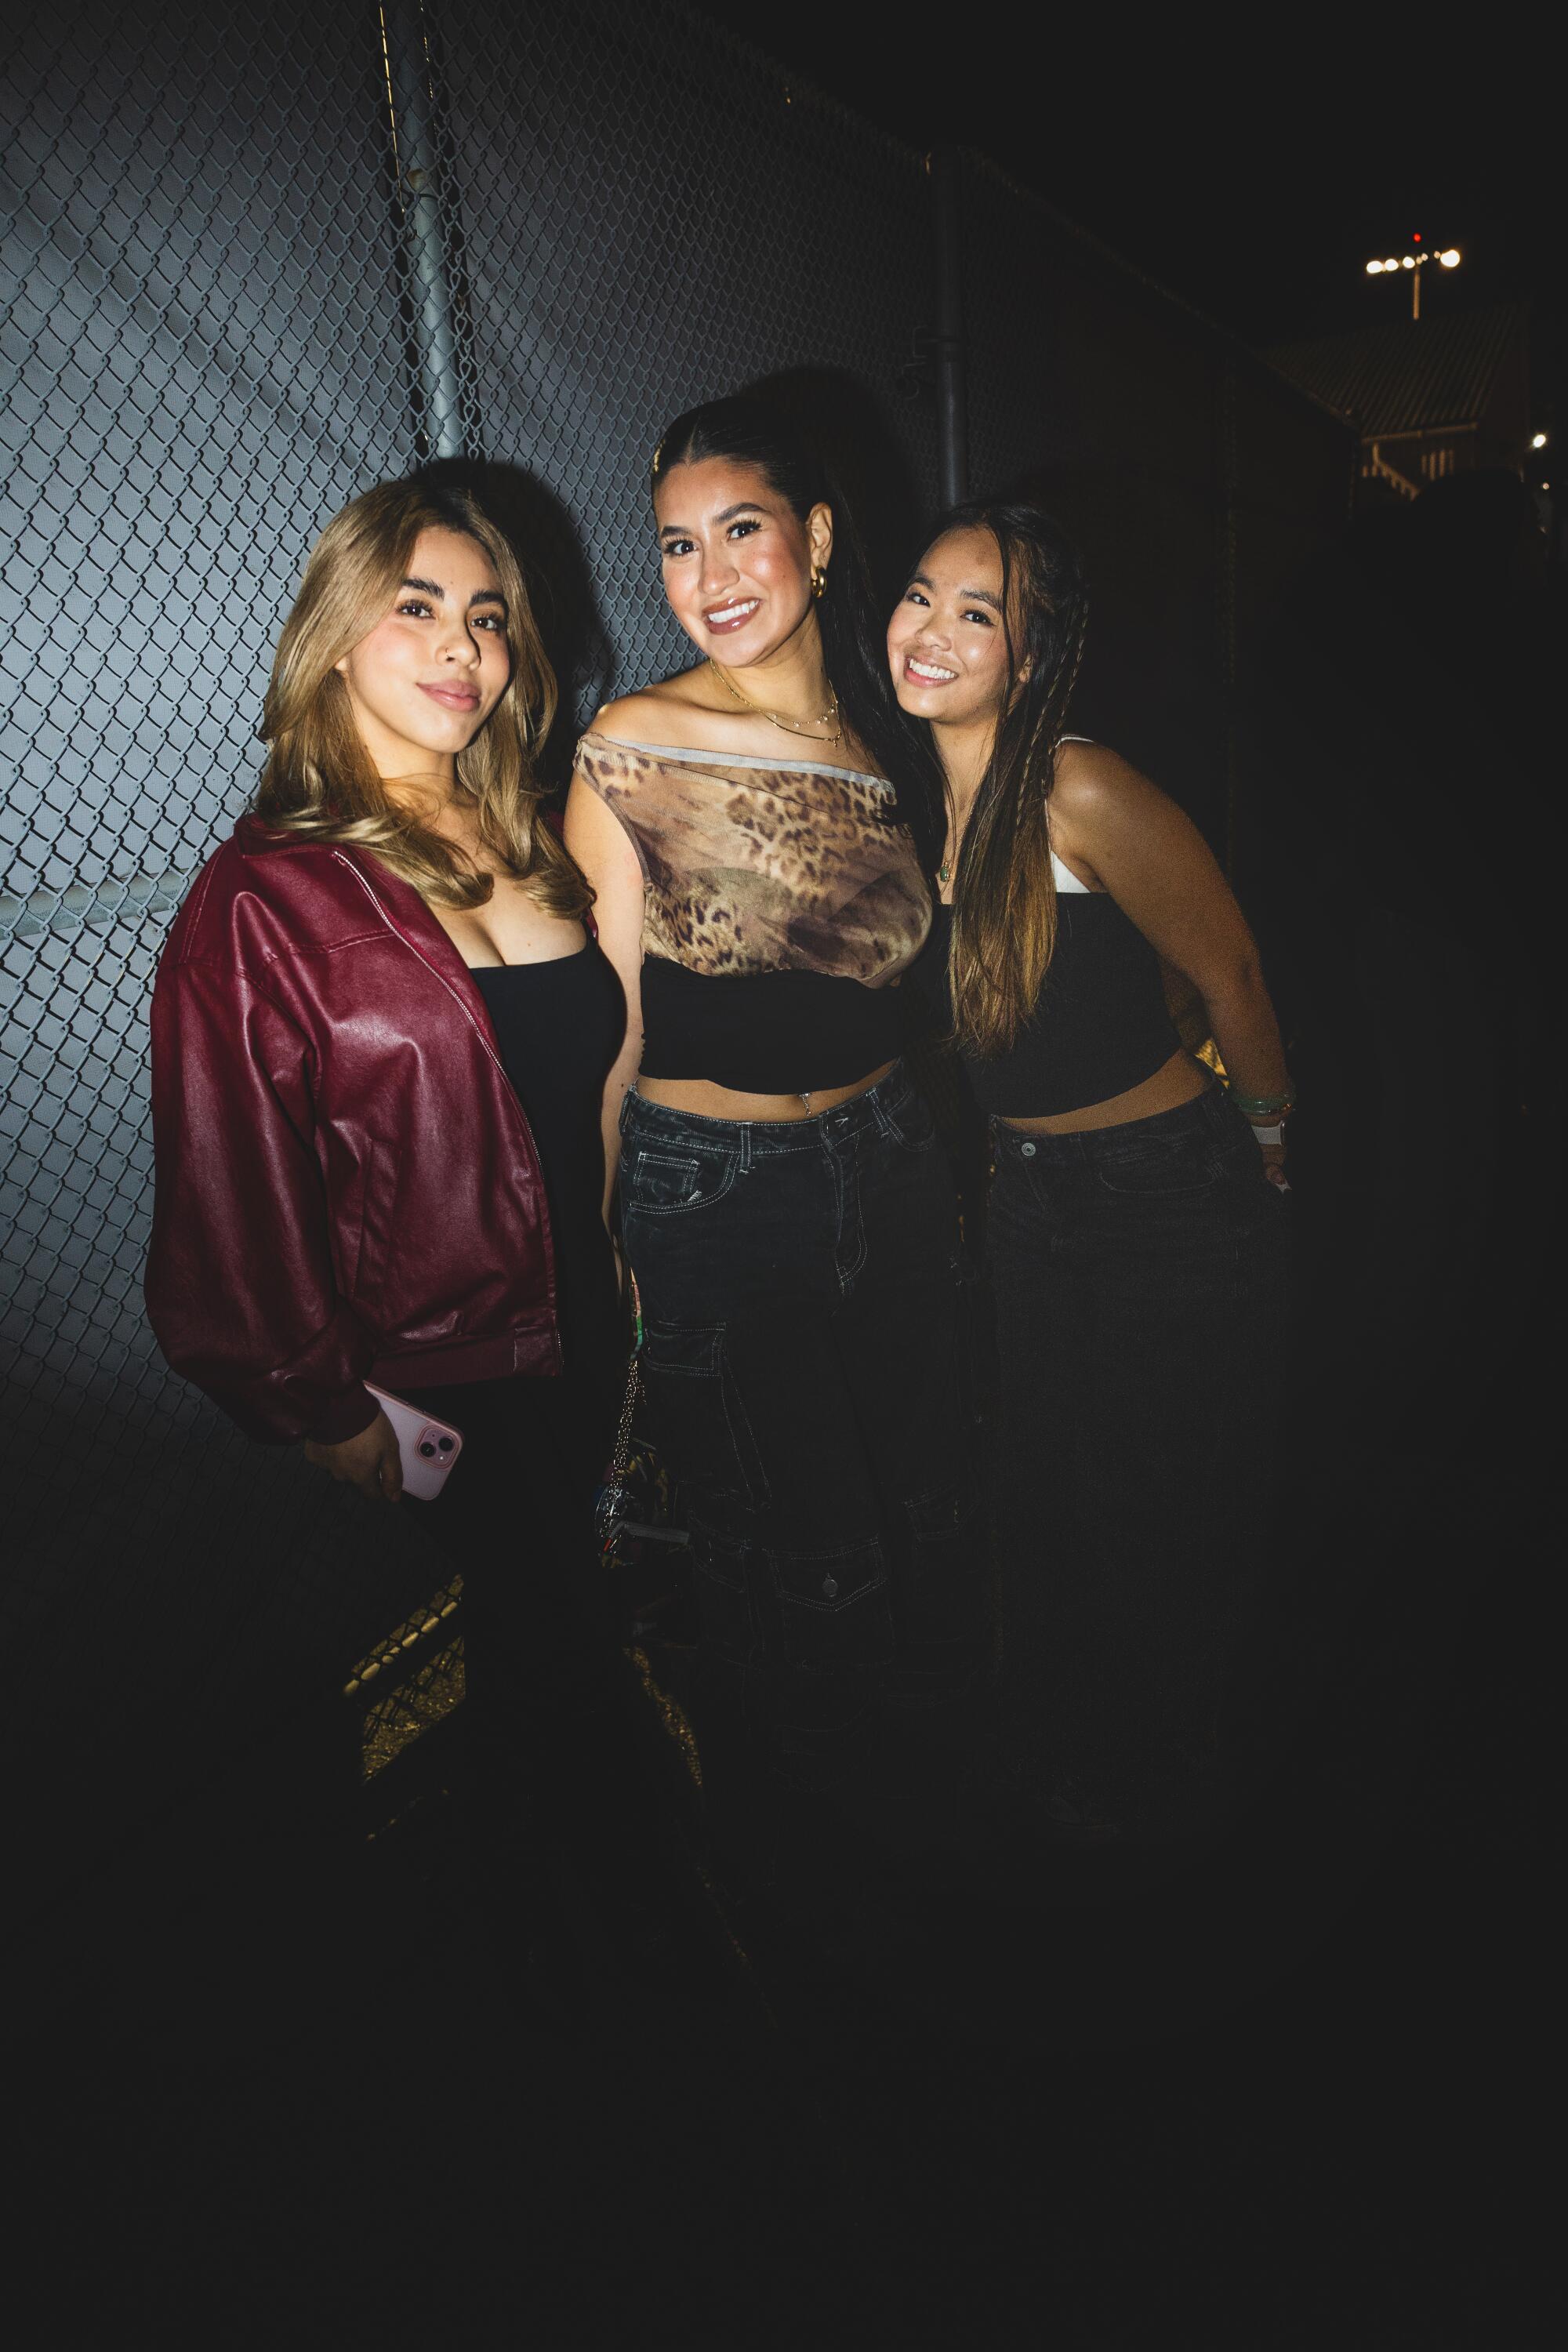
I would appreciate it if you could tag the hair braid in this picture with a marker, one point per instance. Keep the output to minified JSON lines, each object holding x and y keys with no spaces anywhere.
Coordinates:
{"x":1005,"y":898}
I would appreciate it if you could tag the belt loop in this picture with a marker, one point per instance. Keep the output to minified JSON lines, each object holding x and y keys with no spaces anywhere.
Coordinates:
{"x":878,"y":1112}
{"x":746,"y":1146}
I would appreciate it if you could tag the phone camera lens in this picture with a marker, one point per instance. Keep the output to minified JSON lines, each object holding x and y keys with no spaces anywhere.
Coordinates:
{"x":445,"y":1444}
{"x":427,"y":1449}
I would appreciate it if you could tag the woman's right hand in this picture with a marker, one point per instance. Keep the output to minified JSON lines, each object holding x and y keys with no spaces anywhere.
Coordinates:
{"x":370,"y":1461}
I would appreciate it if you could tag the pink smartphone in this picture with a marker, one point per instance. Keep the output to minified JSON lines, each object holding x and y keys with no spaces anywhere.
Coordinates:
{"x":427,"y":1448}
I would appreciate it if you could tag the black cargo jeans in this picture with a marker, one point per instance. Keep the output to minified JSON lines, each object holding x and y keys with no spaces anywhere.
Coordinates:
{"x":809,"y":1376}
{"x":1142,"y":1280}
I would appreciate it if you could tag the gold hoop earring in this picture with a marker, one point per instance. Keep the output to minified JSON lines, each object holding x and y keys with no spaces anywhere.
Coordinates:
{"x":819,"y":580}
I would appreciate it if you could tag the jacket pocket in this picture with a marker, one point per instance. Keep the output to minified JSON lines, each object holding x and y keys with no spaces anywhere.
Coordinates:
{"x":377,"y":1223}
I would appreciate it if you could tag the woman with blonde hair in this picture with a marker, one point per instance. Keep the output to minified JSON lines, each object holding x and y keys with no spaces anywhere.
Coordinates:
{"x":380,"y":1032}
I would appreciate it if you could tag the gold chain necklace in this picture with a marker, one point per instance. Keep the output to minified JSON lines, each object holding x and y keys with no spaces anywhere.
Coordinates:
{"x":830,"y":717}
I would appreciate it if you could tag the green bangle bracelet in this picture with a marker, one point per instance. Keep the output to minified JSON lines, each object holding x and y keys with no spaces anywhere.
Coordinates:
{"x":1263,"y":1106}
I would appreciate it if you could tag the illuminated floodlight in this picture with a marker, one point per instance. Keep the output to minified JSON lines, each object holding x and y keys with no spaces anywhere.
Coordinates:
{"x":1450,"y":260}
{"x":1374,"y":268}
{"x":1409,"y":261}
{"x":1538,"y":440}
{"x":1391,"y":265}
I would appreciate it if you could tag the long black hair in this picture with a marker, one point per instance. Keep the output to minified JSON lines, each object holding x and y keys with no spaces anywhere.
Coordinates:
{"x":1003,"y":895}
{"x":750,"y":429}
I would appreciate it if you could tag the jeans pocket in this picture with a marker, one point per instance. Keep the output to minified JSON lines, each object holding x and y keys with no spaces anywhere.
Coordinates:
{"x":945,"y":1606}
{"x":910,"y":1121}
{"x":833,"y":1605}
{"x":722,"y":1591}
{"x":700,"y":1416}
{"x":1159,"y":1168}
{"x":974,"y":1371}
{"x":674,"y":1179}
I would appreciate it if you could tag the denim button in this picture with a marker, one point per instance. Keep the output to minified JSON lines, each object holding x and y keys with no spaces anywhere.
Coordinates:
{"x":1028,"y":1149}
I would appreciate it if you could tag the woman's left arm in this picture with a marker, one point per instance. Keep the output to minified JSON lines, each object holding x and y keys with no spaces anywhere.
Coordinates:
{"x":1120,"y":829}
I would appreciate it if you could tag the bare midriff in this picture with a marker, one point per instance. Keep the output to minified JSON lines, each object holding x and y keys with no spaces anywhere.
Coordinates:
{"x":709,"y":1101}
{"x":1177,"y":1081}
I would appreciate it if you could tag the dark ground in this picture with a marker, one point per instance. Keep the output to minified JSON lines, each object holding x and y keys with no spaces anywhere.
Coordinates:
{"x":289,"y":2081}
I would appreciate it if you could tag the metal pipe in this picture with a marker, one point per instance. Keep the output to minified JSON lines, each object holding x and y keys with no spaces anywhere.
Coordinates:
{"x":953,"y":417}
{"x":418,"y":187}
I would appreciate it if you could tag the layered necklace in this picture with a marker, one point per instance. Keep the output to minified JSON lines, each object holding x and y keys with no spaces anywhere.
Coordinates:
{"x":828,"y":718}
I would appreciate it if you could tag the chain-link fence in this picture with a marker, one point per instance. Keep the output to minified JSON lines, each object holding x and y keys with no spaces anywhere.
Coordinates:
{"x":257,"y":259}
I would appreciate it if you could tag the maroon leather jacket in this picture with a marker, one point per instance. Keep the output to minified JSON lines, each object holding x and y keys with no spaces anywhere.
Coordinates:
{"x":347,"y":1188}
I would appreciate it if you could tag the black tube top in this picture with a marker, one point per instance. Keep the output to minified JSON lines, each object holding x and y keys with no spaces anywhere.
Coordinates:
{"x":558,"y":1028}
{"x":1100,"y":1027}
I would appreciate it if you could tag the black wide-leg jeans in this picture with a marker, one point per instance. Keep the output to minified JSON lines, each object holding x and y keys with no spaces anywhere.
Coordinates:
{"x":548,"y":1708}
{"x":807,"y":1363}
{"x":1141,"y":1279}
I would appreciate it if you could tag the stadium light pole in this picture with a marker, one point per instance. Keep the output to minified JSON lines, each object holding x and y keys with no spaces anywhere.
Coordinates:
{"x":1449,"y":259}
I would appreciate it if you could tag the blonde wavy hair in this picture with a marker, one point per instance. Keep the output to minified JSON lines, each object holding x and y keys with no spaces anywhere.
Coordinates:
{"x":320,"y":782}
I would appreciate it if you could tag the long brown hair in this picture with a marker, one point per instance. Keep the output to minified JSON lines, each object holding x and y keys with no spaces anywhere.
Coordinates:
{"x":755,"y":429}
{"x":320,"y":781}
{"x":1004,"y":894}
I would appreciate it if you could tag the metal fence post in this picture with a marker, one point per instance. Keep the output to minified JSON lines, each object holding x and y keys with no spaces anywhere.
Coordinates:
{"x":953,"y":420}
{"x":419,"y":188}
{"x":1228,"y":487}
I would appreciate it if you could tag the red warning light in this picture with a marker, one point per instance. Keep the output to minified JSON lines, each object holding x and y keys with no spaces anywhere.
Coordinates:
{"x":1415,"y":236}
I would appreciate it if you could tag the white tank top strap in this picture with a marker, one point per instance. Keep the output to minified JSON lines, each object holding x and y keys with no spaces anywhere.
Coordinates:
{"x":1066,"y":880}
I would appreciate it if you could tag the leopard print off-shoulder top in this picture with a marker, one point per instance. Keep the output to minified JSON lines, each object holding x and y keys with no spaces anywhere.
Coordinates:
{"x":783,"y":900}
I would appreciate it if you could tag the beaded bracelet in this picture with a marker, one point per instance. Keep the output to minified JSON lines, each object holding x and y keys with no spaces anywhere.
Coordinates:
{"x":1263,"y":1106}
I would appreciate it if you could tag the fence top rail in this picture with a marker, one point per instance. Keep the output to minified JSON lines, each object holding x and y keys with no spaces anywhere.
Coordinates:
{"x":82,"y":905}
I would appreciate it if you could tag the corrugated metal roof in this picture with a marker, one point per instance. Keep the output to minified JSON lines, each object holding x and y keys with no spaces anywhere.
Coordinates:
{"x":1410,"y":376}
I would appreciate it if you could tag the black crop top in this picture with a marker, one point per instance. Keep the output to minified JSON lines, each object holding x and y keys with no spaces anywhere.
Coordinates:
{"x":558,"y":1027}
{"x":1099,"y":1025}
{"x":766,"y":1033}
{"x":782,"y":901}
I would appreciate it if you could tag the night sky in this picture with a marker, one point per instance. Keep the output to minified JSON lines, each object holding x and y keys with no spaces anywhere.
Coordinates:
{"x":1252,"y":164}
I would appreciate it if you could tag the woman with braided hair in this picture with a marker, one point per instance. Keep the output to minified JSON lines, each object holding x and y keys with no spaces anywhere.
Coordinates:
{"x":1137,"y":1221}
